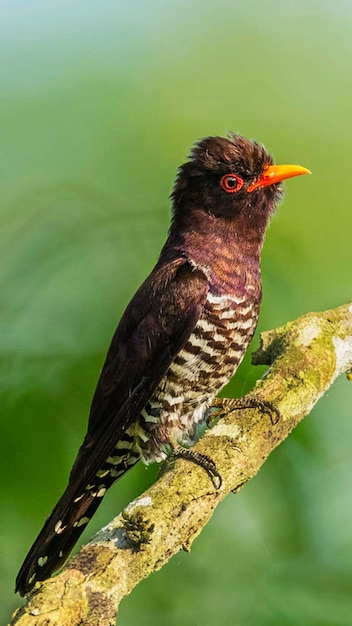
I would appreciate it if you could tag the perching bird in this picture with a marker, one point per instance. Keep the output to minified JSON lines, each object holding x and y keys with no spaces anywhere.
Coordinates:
{"x":181,"y":338}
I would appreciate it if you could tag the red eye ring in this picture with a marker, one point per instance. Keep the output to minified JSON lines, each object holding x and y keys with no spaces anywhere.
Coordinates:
{"x":231,"y":183}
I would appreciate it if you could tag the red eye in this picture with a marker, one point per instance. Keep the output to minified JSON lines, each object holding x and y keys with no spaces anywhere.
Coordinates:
{"x":231,"y":183}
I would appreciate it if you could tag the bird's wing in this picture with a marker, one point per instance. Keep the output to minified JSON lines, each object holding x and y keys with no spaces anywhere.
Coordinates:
{"x":153,"y":329}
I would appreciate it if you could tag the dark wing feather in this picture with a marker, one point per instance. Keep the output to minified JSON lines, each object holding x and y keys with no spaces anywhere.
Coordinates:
{"x":153,"y":329}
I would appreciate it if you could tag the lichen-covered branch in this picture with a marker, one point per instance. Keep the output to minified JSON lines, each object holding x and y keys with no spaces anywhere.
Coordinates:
{"x":305,"y":357}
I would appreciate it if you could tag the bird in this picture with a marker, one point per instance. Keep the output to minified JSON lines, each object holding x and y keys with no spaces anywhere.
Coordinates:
{"x":180,"y":339}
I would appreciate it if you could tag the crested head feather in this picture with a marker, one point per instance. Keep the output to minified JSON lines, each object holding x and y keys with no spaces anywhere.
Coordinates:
{"x":247,"y":156}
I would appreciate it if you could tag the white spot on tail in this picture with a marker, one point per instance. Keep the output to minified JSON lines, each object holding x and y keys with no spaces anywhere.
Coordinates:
{"x":116,"y":473}
{"x":102,"y":473}
{"x":122,"y":444}
{"x":81,"y":522}
{"x":100,"y":493}
{"x":59,"y":527}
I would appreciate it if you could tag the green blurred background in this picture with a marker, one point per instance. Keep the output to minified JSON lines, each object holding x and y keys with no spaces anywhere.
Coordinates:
{"x":100,"y":103}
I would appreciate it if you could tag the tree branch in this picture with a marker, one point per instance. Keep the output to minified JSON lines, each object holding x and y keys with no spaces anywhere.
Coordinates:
{"x":305,"y":357}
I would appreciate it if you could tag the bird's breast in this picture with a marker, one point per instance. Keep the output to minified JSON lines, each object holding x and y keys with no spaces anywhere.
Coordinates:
{"x":199,"y":371}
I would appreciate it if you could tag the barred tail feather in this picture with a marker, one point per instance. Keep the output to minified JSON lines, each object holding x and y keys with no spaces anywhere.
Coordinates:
{"x":65,"y":524}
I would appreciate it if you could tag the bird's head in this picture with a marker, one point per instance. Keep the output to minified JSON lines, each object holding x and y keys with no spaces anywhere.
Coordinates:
{"x":230,"y":179}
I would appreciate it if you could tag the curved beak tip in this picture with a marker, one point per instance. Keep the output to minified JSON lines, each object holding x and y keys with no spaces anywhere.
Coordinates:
{"x":303,"y":170}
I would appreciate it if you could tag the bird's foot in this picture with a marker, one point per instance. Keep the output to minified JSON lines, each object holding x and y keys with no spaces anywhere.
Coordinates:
{"x":203,"y":460}
{"x":254,"y":403}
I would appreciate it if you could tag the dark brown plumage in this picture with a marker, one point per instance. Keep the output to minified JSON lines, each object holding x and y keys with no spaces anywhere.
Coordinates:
{"x":181,"y":337}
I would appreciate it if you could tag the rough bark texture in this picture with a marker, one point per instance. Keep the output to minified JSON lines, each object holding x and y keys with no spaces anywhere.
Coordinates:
{"x":305,"y":357}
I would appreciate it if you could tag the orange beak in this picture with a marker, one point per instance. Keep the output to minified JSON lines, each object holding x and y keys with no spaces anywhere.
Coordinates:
{"x":276,"y":173}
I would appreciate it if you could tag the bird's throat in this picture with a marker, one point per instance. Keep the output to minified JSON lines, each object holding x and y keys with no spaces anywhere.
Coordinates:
{"x":229,"y":262}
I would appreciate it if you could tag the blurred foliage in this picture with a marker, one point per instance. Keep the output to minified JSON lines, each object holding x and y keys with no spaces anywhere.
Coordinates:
{"x":100,"y":103}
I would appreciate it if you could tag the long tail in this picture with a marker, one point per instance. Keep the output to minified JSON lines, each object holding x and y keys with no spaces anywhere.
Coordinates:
{"x":66,"y":523}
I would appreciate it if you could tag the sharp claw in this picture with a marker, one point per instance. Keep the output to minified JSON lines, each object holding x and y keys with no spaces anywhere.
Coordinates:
{"x":203,"y":460}
{"x":254,"y":403}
